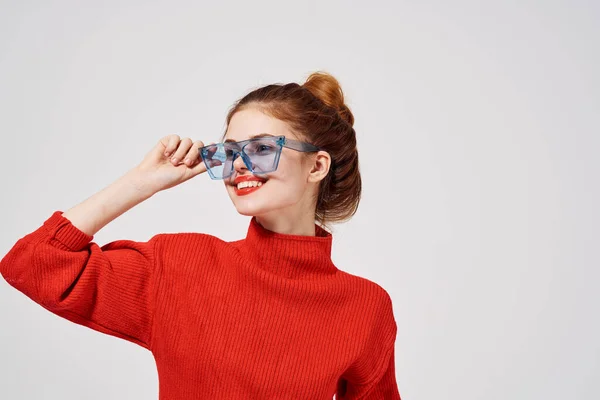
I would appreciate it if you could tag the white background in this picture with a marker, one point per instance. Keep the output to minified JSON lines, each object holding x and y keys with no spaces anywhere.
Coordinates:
{"x":478,"y":135}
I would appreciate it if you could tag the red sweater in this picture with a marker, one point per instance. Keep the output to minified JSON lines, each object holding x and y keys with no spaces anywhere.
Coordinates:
{"x":264,"y":317}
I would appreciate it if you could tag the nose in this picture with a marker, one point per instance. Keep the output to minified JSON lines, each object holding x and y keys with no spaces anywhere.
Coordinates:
{"x":239,"y":164}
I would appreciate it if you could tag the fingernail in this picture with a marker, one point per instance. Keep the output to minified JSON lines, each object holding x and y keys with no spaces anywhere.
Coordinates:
{"x":187,"y":161}
{"x":174,"y":159}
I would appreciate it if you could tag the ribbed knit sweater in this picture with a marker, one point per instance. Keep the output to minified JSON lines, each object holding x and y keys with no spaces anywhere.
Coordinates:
{"x":268,"y":316}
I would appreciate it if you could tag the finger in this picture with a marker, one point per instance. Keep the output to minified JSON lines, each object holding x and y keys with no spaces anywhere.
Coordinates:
{"x":193,"y":156}
{"x":172,"y":142}
{"x":182,"y":149}
{"x":198,"y":168}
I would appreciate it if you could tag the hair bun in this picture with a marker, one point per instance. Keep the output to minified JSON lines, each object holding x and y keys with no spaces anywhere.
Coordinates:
{"x":325,"y":87}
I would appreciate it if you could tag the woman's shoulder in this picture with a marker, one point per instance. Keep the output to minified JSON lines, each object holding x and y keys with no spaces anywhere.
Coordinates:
{"x":189,"y":244}
{"x":367,"y":287}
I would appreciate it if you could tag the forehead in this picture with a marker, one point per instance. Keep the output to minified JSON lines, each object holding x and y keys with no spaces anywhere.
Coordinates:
{"x":250,"y":122}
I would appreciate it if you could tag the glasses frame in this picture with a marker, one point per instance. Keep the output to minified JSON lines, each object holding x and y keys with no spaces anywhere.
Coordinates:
{"x":281,"y":141}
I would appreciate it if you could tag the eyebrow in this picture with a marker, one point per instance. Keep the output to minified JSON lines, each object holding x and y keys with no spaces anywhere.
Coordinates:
{"x":251,"y":137}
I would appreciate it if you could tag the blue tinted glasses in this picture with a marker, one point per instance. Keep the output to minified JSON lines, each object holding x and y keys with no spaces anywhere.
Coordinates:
{"x":261,"y":155}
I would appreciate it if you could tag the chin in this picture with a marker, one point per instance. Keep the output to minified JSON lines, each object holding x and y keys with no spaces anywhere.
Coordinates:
{"x":247,"y":205}
{"x":250,"y":211}
{"x":254,"y":207}
{"x":258,"y":203}
{"x":247,"y":213}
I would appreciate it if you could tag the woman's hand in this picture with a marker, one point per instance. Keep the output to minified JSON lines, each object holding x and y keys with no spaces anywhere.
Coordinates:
{"x":172,"y":161}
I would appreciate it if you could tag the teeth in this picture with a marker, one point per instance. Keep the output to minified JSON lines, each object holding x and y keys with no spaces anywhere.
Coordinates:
{"x":242,"y":185}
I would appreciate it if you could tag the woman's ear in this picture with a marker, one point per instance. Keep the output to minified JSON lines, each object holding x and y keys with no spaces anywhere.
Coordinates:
{"x":320,"y":166}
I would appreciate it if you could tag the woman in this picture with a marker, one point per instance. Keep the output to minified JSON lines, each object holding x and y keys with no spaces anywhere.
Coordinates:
{"x":268,"y":316}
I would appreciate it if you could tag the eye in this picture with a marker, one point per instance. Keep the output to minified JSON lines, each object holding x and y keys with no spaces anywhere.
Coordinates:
{"x":229,"y":152}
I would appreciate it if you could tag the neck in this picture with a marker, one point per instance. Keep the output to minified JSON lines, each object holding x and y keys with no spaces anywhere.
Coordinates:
{"x":292,"y":256}
{"x":302,"y":225}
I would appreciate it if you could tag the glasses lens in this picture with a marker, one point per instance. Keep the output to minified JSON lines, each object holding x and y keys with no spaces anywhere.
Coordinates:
{"x":218,"y":160}
{"x":262,"y":154}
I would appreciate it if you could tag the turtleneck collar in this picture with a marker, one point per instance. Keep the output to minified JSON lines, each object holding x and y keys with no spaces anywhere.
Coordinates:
{"x":287,"y":255}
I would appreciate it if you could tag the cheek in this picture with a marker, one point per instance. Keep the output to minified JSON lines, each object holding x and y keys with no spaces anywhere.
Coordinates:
{"x":291,"y":168}
{"x":290,"y":175}
{"x":287,"y":190}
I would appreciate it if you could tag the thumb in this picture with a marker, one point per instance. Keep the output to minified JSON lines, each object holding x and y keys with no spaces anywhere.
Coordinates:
{"x":200,"y":167}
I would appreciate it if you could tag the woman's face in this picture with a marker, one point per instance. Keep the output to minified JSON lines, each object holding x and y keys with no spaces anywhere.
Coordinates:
{"x":290,"y":188}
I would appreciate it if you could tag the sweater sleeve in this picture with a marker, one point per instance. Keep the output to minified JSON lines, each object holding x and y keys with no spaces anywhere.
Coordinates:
{"x":373,"y":375}
{"x":109,"y":289}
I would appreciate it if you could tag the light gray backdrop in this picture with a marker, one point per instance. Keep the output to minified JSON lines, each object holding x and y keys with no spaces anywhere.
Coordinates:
{"x":478,"y":130}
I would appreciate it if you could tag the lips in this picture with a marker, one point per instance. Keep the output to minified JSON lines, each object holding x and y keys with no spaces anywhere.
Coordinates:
{"x":246,"y":178}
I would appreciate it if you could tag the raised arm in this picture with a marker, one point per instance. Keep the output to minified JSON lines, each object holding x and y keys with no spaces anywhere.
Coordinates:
{"x":111,"y":288}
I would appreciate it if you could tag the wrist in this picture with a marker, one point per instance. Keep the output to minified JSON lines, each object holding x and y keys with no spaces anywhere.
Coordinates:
{"x":135,"y":180}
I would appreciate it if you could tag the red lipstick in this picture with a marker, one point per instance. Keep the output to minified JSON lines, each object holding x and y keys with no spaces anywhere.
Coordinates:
{"x":249,"y":189}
